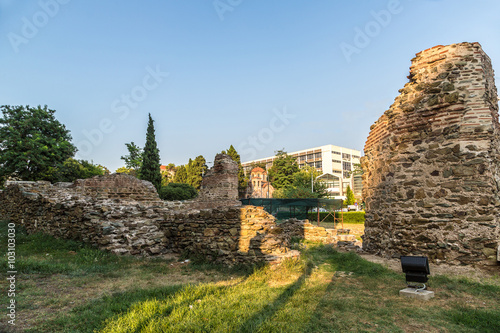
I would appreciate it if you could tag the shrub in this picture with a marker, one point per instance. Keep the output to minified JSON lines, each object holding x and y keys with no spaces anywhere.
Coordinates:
{"x":349,"y":217}
{"x":177,"y":191}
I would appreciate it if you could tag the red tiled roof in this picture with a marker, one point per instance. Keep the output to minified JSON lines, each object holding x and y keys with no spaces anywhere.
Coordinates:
{"x":258,"y":169}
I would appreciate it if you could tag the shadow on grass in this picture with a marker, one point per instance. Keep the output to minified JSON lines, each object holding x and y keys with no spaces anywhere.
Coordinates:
{"x":254,"y":322}
{"x":92,"y":316}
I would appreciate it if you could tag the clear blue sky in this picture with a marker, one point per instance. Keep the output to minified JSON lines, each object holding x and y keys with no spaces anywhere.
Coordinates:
{"x":259,"y":74}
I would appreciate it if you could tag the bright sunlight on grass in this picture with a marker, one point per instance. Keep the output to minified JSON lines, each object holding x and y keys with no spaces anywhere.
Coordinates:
{"x":67,"y":287}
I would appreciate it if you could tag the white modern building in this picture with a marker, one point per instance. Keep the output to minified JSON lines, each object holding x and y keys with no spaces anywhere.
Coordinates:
{"x":335,"y":164}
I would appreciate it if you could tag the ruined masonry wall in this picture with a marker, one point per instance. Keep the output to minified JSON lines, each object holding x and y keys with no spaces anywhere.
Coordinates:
{"x":122,"y":226}
{"x":230,"y":235}
{"x":431,"y":166}
{"x":123,"y":215}
{"x":219,"y":187}
{"x":303,"y":229}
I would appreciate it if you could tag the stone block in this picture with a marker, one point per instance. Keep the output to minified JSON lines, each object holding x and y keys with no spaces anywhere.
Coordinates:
{"x":423,"y":295}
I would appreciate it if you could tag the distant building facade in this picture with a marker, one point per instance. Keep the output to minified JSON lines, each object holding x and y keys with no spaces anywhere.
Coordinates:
{"x":259,"y":185}
{"x":335,"y":163}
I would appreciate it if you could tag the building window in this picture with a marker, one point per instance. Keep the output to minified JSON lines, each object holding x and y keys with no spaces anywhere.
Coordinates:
{"x":346,"y":166}
{"x":319,"y":164}
{"x":336,"y":161}
{"x":346,"y":156}
{"x":333,"y":184}
{"x":358,"y":184}
{"x":336,"y":171}
{"x":302,"y":158}
{"x":336,"y":152}
{"x":317,"y":155}
{"x":310,"y":157}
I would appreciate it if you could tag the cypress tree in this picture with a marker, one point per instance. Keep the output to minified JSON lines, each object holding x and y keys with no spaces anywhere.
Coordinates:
{"x":150,"y":168}
{"x":350,"y":199}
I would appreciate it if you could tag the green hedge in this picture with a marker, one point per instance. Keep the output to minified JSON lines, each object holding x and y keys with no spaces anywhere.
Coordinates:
{"x":349,"y":217}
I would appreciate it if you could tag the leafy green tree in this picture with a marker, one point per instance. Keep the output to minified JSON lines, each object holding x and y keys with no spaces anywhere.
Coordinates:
{"x":258,"y":164}
{"x":178,"y":191}
{"x":195,"y":170}
{"x":105,"y":171}
{"x":242,"y":179}
{"x":350,"y":199}
{"x":292,"y":192}
{"x":32,"y":142}
{"x":150,"y":168}
{"x":72,"y":170}
{"x":125,"y":170}
{"x":134,"y":158}
{"x":301,"y":186}
{"x":283,"y":169}
{"x":181,"y":175}
{"x":302,"y":179}
{"x":358,"y":170}
{"x":167,"y":175}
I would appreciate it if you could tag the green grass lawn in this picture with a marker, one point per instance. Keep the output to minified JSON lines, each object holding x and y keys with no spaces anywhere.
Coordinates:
{"x":66,"y":287}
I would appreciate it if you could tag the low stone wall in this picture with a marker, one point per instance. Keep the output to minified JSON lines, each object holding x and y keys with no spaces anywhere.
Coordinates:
{"x":111,"y":220}
{"x":229,"y":235}
{"x":120,"y":226}
{"x":117,"y":186}
{"x":305,"y":230}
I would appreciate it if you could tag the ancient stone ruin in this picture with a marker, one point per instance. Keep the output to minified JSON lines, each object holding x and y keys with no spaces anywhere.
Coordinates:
{"x":124,"y":215}
{"x":431,"y":167}
{"x":219,"y":187}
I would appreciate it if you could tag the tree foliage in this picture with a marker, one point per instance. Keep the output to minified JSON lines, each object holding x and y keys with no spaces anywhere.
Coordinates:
{"x":167,"y":175}
{"x":195,"y":170}
{"x":134,"y":158}
{"x":258,"y":164}
{"x":350,"y":199}
{"x":32,"y":142}
{"x":72,"y":170}
{"x":302,"y":179}
{"x":126,"y":170}
{"x":301,"y":186}
{"x":177,"y":191}
{"x":242,"y":179}
{"x":283,"y":169}
{"x":181,"y":175}
{"x":150,"y":168}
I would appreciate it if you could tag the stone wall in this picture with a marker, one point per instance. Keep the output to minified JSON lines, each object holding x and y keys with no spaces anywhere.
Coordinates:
{"x":303,"y":229}
{"x":108,"y":221}
{"x":117,"y":186}
{"x":431,"y":167}
{"x":219,"y":187}
{"x":124,"y":215}
{"x":230,"y":235}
